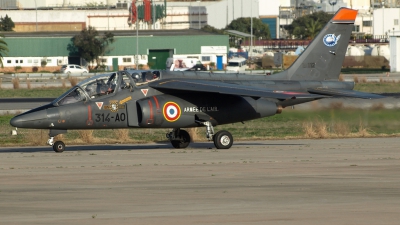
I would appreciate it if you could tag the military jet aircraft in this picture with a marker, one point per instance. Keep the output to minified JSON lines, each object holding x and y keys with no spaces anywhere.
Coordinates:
{"x":176,"y":100}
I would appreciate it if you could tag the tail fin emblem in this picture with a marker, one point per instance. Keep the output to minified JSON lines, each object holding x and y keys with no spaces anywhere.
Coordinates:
{"x":331,"y":40}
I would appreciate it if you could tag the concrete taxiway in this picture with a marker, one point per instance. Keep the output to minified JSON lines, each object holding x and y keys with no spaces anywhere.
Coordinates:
{"x":333,"y":181}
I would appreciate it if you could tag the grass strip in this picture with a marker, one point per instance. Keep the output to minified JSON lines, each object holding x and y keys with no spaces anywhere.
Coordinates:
{"x":292,"y":123}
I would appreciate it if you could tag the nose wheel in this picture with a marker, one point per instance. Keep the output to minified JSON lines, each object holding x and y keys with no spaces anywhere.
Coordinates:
{"x":59,"y":146}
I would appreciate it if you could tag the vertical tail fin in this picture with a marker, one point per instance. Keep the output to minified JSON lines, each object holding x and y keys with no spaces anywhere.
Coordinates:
{"x":323,"y":58}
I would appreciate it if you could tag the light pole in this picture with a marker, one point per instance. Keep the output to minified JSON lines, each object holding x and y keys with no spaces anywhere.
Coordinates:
{"x":233,"y":9}
{"x":198,"y":8}
{"x":333,"y":3}
{"x":154,"y":15}
{"x":36,"y":14}
{"x":137,"y":39}
{"x":383,"y":17}
{"x":108,"y":16}
{"x":251,"y":26}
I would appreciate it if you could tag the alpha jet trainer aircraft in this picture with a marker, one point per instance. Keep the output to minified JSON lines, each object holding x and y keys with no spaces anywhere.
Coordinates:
{"x":166,"y":99}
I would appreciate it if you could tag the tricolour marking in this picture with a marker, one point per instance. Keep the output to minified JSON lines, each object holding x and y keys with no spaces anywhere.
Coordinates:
{"x":144,"y":91}
{"x":171,"y":111}
{"x":99,"y":105}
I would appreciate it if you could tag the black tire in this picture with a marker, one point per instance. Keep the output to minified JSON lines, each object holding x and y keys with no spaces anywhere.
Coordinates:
{"x":59,"y":146}
{"x":223,"y":139}
{"x":184,"y":142}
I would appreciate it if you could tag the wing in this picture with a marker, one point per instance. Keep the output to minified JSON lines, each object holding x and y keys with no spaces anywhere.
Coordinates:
{"x":343,"y":93}
{"x":230,"y":89}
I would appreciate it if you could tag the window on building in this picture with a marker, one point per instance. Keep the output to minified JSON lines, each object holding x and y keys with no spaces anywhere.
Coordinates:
{"x":48,"y":60}
{"x":16,"y":61}
{"x":367,"y":23}
{"x":205,"y":58}
{"x":103,"y":60}
{"x":35,"y":61}
{"x":125,"y":60}
{"x":8,"y":61}
{"x":29,"y":60}
{"x":356,"y":28}
{"x":21,"y":61}
{"x":396,"y":21}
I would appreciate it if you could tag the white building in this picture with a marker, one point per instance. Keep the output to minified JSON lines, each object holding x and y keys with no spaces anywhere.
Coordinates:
{"x":180,"y":15}
{"x":394,"y":41}
{"x":386,"y":21}
{"x":361,"y":5}
{"x":58,"y":3}
{"x":221,"y":13}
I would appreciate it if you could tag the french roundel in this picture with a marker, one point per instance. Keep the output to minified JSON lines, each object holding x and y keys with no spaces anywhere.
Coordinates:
{"x":171,"y":111}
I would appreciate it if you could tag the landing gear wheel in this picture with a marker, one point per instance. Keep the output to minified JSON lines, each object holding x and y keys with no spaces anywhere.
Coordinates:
{"x":223,"y":139}
{"x":59,"y":146}
{"x":184,"y":140}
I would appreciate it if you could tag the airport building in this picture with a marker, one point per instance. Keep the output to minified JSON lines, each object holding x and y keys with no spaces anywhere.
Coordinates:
{"x":27,"y":53}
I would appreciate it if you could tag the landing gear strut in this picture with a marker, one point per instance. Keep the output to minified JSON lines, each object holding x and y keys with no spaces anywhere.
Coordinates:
{"x":58,"y":146}
{"x":222,"y":139}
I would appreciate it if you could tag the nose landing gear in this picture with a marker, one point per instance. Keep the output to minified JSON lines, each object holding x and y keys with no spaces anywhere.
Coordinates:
{"x":58,"y":146}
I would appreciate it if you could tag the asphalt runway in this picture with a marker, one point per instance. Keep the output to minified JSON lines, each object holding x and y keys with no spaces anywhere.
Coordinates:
{"x":332,"y":181}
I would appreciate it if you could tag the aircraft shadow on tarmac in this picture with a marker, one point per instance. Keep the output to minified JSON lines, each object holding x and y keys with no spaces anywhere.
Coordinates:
{"x":119,"y":147}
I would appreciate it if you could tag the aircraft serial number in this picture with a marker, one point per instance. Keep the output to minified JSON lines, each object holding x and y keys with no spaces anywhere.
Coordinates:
{"x":105,"y":117}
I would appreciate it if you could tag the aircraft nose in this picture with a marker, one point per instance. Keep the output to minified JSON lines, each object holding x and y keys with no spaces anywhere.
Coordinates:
{"x":17,"y":121}
{"x":29,"y":119}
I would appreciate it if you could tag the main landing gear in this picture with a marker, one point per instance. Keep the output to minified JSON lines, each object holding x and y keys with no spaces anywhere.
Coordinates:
{"x":181,"y":138}
{"x":58,"y":146}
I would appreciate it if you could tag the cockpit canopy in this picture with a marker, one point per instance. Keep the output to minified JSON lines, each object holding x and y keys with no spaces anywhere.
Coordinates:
{"x":144,"y":76}
{"x":103,"y":85}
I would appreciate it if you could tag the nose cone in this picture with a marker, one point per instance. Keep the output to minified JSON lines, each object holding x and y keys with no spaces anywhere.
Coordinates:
{"x":17,"y":121}
{"x":30,"y":120}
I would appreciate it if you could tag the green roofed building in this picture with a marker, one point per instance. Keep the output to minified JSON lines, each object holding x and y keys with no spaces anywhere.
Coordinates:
{"x":29,"y":50}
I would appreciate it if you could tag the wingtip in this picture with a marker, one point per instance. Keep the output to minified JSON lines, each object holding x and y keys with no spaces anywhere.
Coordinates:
{"x":345,"y":15}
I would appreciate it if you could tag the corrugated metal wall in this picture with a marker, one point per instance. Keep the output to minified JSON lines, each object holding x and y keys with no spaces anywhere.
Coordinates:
{"x":8,"y":4}
{"x":272,"y":26}
{"x":47,"y":47}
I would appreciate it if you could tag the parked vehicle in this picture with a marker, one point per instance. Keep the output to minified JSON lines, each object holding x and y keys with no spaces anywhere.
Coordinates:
{"x":71,"y":69}
{"x":183,"y":64}
{"x":236,"y":65}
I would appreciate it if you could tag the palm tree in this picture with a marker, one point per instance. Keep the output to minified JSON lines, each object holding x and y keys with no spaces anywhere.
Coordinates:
{"x":3,"y":49}
{"x":313,"y":28}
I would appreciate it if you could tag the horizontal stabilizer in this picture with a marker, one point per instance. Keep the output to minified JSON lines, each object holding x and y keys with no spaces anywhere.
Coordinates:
{"x":343,"y":93}
{"x":229,"y":89}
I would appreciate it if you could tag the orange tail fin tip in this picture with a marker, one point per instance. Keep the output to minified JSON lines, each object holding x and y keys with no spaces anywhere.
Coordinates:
{"x":345,"y":14}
